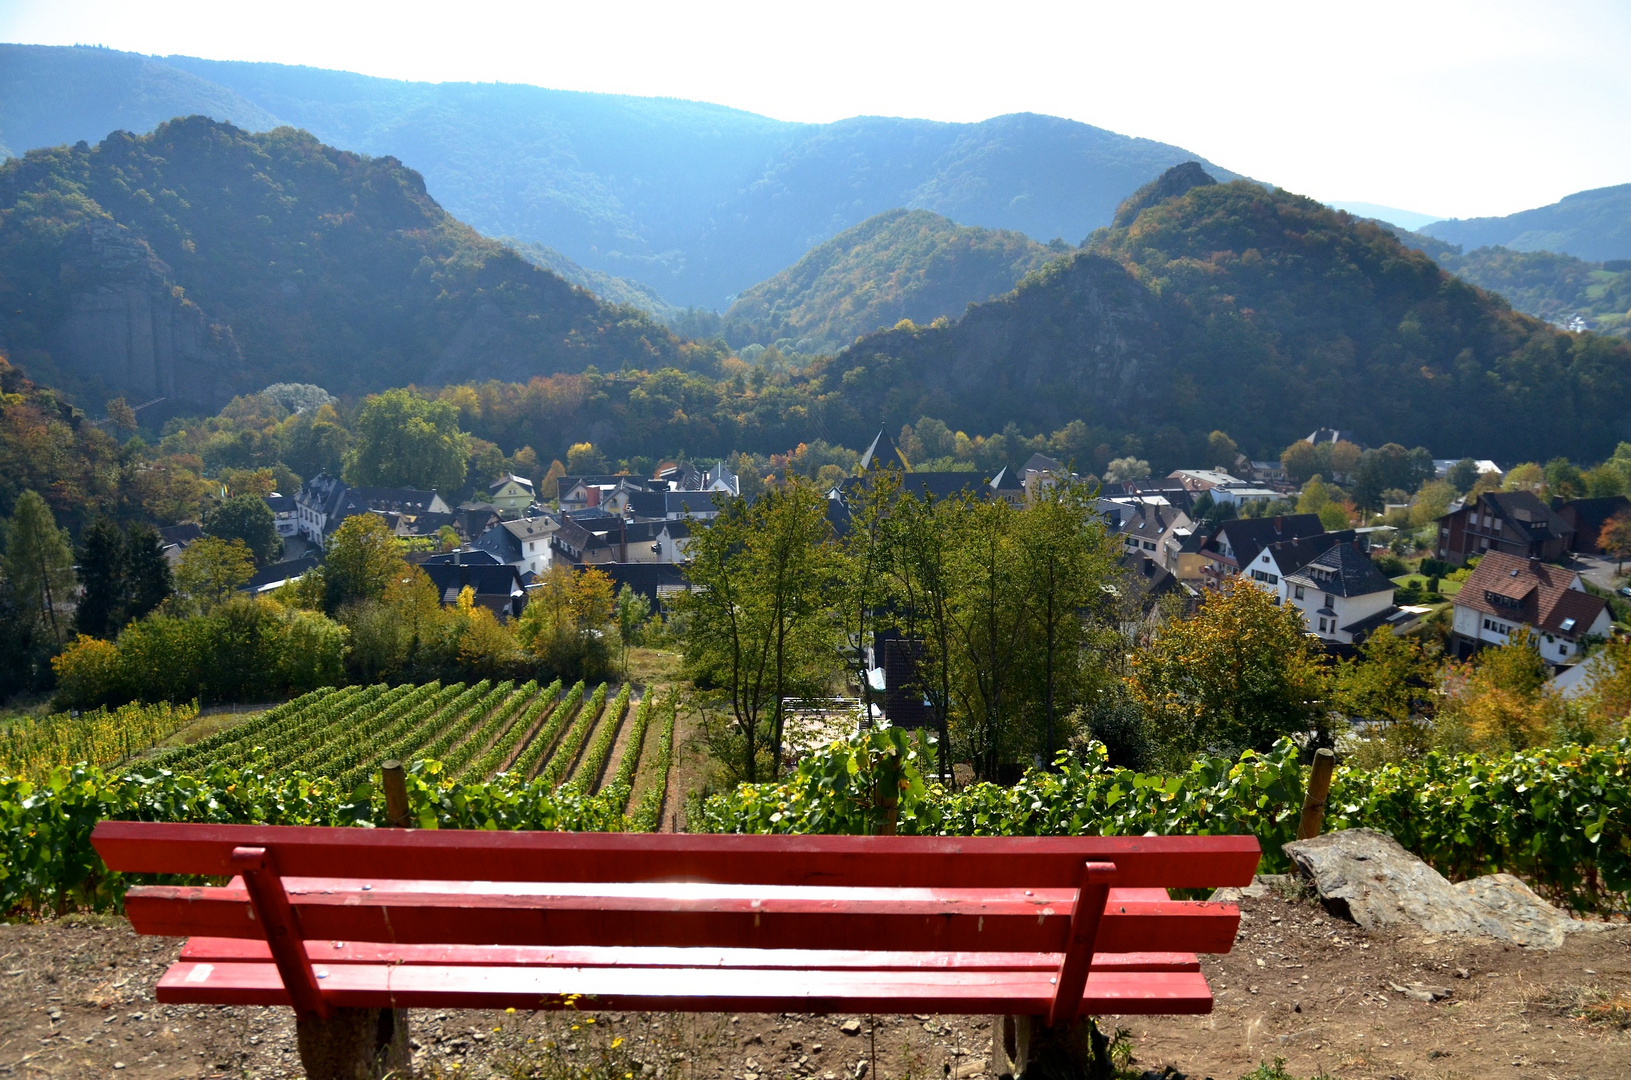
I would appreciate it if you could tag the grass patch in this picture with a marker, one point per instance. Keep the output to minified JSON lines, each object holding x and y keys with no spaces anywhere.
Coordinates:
{"x":648,"y":666}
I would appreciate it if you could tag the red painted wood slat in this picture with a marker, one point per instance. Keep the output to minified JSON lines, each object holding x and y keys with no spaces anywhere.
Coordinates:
{"x":904,"y":861}
{"x":234,"y":950}
{"x":1086,"y":919}
{"x":688,"y":990}
{"x":481,"y":914}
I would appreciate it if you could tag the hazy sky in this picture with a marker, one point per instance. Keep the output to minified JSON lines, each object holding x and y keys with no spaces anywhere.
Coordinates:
{"x":1450,"y":108}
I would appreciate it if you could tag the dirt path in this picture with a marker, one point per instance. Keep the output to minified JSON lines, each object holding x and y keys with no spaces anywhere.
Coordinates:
{"x":1300,"y":985}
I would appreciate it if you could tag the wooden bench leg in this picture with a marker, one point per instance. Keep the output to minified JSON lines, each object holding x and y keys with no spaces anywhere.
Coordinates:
{"x":1025,"y":1048}
{"x":355,"y":1044}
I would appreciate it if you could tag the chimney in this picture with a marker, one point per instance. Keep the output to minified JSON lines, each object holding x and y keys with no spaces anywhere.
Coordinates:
{"x":1279,"y":524}
{"x":593,"y":494}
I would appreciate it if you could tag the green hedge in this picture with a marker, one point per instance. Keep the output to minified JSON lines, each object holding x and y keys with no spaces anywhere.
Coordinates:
{"x":1559,"y":817}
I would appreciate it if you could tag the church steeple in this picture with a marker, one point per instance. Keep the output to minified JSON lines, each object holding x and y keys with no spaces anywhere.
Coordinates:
{"x":884,"y":454}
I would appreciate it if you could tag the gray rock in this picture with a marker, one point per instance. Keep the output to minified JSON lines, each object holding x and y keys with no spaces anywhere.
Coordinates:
{"x":1525,"y":918}
{"x":1368,"y":877}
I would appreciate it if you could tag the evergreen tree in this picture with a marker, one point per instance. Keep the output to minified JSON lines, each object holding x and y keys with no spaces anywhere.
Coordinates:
{"x":104,"y":572}
{"x":148,"y":582}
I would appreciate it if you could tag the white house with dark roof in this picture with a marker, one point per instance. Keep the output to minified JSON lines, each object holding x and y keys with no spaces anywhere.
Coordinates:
{"x":1278,"y":561}
{"x":1343,"y":597}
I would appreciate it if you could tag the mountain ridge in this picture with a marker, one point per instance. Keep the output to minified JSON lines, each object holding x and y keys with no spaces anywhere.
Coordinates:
{"x":693,"y":200}
{"x":900,"y":264}
{"x":199,"y":261}
{"x":1594,"y":225}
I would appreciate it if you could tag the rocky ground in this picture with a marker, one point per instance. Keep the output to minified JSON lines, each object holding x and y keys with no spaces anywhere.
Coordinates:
{"x":1325,"y":995}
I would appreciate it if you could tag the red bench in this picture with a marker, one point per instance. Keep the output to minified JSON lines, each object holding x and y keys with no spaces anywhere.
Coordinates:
{"x":326,"y":919}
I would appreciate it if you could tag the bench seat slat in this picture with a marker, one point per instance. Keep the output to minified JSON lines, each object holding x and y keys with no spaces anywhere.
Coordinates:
{"x":687,"y":990}
{"x":479,"y":855}
{"x":234,"y":950}
{"x":478,"y":913}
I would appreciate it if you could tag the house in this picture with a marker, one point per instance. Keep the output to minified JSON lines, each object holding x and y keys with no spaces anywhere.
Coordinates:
{"x":1278,"y":561}
{"x":1041,"y":473}
{"x":277,"y":575}
{"x":688,"y":478}
{"x":325,"y":501}
{"x":1516,"y":523}
{"x":1172,"y":491}
{"x":1332,"y":435}
{"x":523,"y":543}
{"x":1442,"y":467}
{"x":174,"y":539}
{"x":580,"y":492}
{"x":1183,"y":554}
{"x":1343,"y":597}
{"x":1145,"y":530}
{"x":658,"y":582}
{"x":499,"y":589}
{"x":1586,"y":517}
{"x":1223,"y":487}
{"x":1506,"y":592}
{"x":511,"y":494}
{"x":285,"y":514}
{"x":672,"y":505}
{"x":1239,"y":541}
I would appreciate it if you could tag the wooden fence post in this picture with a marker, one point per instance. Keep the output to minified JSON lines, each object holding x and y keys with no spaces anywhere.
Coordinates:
{"x":362,"y":1044}
{"x":1319,"y":787}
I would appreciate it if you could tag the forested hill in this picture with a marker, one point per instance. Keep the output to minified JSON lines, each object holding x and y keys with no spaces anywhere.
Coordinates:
{"x":903,"y":264}
{"x":697,"y":201}
{"x":1592,"y":225}
{"x":1261,"y":313}
{"x":201,"y":261}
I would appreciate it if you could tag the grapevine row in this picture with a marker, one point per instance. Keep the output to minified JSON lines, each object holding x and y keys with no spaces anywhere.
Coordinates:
{"x":294,"y":740}
{"x":451,"y":733}
{"x":572,"y":741}
{"x":545,"y":738}
{"x":496,"y":722}
{"x":637,"y":737}
{"x":649,"y":815}
{"x":234,"y":743}
{"x":355,"y":763}
{"x":32,"y":747}
{"x":412,"y":742}
{"x":594,"y":762}
{"x":184,"y":756}
{"x":361,"y":729}
{"x":500,"y":751}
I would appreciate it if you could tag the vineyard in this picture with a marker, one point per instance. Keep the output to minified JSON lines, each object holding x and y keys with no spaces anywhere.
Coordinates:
{"x":474,"y":733}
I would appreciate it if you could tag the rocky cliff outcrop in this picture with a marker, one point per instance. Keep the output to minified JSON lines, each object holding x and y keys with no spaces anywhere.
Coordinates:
{"x":126,"y":327}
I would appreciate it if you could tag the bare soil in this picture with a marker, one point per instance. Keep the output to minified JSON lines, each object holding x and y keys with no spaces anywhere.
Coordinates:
{"x":76,"y":1001}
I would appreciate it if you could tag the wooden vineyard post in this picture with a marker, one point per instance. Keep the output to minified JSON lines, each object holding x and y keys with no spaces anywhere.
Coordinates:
{"x":1319,"y":788}
{"x":362,"y":1044}
{"x":394,"y":779}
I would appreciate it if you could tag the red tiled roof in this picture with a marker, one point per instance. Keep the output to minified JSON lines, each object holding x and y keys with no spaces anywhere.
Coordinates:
{"x":1543,"y":597}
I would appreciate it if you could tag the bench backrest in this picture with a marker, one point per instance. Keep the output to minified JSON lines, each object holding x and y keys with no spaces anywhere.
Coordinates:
{"x":1073,"y":897}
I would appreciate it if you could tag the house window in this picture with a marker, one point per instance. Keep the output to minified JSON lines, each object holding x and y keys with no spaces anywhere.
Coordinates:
{"x":1297,"y":591}
{"x":1330,"y":601}
{"x":1322,"y":626}
{"x":1562,"y":650}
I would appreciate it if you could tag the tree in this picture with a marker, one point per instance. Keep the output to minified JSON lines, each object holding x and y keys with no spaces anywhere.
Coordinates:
{"x":582,"y":459}
{"x":989,"y":619}
{"x":633,"y":609}
{"x":147,"y":571}
{"x":862,"y":566}
{"x":102,"y":573}
{"x":212,"y":569}
{"x":565,"y":618}
{"x":1240,"y":674}
{"x":246,"y":518}
{"x":1221,"y":451}
{"x":1126,"y":468}
{"x":922,"y":574}
{"x":1564,"y":480}
{"x":403,"y":440}
{"x":1065,"y":558}
{"x":1301,"y":460}
{"x":757,"y":631}
{"x":361,"y":562}
{"x":39,"y":563}
{"x":1387,"y":679}
{"x":1615,"y":539}
{"x":1463,"y":475}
